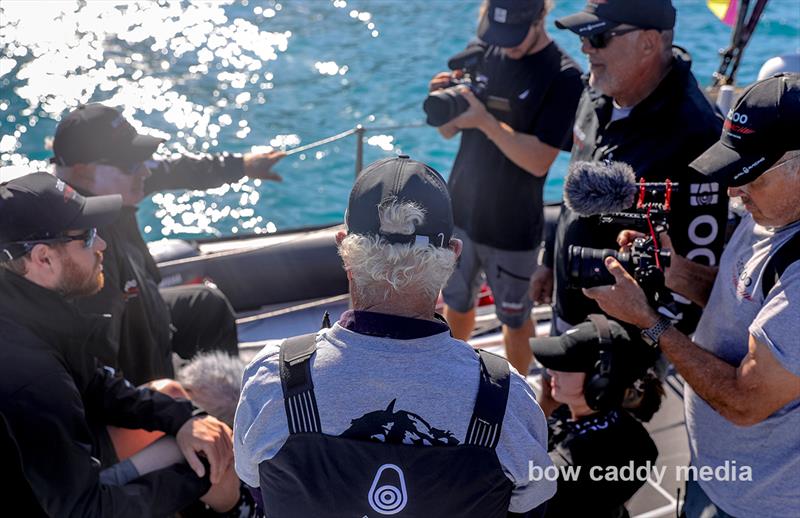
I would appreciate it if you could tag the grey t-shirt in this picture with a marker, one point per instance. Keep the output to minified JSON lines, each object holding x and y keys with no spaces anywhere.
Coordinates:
{"x":735,"y":310}
{"x":435,"y":377}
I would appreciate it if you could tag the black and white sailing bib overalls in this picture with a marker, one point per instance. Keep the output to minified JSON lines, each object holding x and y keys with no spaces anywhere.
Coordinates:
{"x":315,"y":475}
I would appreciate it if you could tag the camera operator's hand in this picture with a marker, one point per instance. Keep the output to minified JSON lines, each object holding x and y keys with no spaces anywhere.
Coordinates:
{"x":541,"y":287}
{"x":624,"y":300}
{"x":626,"y":238}
{"x":439,"y":81}
{"x":476,"y":116}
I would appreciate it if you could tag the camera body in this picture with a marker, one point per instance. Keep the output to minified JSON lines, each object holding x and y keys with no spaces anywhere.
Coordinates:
{"x":644,"y":262}
{"x":444,"y":105}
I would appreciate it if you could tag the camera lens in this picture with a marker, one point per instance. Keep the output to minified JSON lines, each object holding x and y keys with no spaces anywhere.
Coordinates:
{"x":444,"y":105}
{"x":587,"y":266}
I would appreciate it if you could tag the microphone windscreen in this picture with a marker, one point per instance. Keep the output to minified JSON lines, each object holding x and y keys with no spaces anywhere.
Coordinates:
{"x":598,"y":188}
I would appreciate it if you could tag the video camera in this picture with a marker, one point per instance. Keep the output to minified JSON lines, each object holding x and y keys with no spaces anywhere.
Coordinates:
{"x":645,"y":261}
{"x":442,"y":106}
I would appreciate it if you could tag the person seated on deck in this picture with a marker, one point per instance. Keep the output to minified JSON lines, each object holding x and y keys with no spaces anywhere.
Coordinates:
{"x":98,"y":152}
{"x":742,"y":365}
{"x":597,"y":372}
{"x":386,"y":412}
{"x":56,"y":400}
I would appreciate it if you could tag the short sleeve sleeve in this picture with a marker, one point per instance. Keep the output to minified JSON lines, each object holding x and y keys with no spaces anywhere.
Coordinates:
{"x":259,"y":428}
{"x":523,"y":443}
{"x":777,"y":325}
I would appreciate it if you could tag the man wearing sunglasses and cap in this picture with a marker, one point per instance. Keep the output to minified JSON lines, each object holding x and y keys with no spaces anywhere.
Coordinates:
{"x":56,"y":400}
{"x":642,"y":106}
{"x":503,"y":160}
{"x":99,"y":152}
{"x":742,"y":365}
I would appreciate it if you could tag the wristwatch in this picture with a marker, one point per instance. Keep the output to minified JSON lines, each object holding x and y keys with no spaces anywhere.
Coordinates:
{"x":652,"y":334}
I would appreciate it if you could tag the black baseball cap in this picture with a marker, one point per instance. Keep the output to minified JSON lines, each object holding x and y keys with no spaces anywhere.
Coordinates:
{"x":99,"y":133}
{"x":760,"y":128}
{"x":578,"y":350}
{"x":506,"y":22}
{"x":40,"y":206}
{"x":602,"y":15}
{"x":403,"y":180}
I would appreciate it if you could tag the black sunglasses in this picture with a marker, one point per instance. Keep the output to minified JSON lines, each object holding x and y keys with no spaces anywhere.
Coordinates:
{"x":600,"y":40}
{"x":17,"y":249}
{"x":88,"y":237}
{"x":129,"y":169}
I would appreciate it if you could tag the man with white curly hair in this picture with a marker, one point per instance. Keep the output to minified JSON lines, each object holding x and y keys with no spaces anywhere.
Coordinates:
{"x":386,"y":412}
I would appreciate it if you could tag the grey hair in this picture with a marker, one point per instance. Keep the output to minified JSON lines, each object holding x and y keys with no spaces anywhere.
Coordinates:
{"x":380,"y":269}
{"x":793,"y":156}
{"x":214,"y":383}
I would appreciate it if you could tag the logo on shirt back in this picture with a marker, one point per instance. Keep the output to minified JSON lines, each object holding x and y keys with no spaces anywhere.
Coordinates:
{"x":388,"y":494}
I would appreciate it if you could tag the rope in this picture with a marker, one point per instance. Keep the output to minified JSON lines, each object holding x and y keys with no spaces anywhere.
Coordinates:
{"x":352,"y":131}
{"x":322,"y":142}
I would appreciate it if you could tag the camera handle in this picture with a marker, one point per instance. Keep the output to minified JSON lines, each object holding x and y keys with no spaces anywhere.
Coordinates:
{"x":659,"y":297}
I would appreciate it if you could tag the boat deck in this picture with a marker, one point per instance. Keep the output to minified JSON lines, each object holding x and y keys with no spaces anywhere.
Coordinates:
{"x":667,"y":427}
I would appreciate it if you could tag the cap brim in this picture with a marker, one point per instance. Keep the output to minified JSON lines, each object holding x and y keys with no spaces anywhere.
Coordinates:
{"x":551,"y":352}
{"x":143,"y":146}
{"x":729,"y":167}
{"x":585,"y":24}
{"x":502,"y":34}
{"x":98,"y":211}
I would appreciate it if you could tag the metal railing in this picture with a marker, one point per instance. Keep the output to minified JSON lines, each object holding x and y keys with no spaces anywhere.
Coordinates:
{"x":360,"y":132}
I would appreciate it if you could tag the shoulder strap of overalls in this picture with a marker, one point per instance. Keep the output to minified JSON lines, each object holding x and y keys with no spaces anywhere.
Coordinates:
{"x":298,"y":389}
{"x":490,"y":405}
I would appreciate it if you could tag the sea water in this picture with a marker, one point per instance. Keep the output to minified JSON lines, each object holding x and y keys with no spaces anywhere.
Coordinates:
{"x":240,"y":75}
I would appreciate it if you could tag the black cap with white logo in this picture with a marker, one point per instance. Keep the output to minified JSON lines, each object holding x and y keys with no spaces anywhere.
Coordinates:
{"x":506,"y":22}
{"x":98,"y":133}
{"x":403,"y":180}
{"x":39,"y":206}
{"x":760,"y":128}
{"x":603,"y":15}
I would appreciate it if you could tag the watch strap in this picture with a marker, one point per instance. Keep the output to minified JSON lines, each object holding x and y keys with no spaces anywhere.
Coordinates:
{"x":652,"y":334}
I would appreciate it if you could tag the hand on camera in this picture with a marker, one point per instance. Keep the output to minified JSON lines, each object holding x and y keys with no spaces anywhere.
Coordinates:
{"x":624,"y":300}
{"x":626,"y":238}
{"x":439,"y":81}
{"x":476,"y":115}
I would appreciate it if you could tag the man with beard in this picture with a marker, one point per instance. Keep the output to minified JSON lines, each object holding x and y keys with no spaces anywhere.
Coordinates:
{"x":56,"y":400}
{"x":99,"y":152}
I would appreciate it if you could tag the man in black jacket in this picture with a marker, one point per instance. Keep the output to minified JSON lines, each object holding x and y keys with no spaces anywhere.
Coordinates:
{"x":55,"y":400}
{"x":643,"y":107}
{"x":99,"y":152}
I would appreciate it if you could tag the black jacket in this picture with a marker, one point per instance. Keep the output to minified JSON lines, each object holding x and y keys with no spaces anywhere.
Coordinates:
{"x":606,"y":440}
{"x":139,"y":337}
{"x":56,"y":402}
{"x":660,"y":137}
